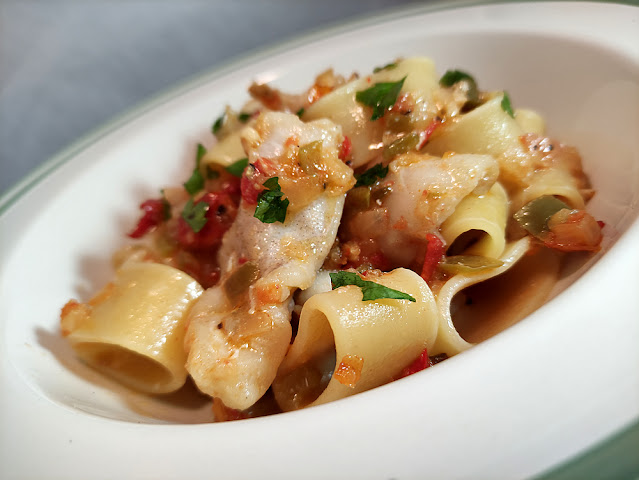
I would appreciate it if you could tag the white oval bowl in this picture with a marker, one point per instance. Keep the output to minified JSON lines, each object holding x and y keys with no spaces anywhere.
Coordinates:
{"x":531,"y":397}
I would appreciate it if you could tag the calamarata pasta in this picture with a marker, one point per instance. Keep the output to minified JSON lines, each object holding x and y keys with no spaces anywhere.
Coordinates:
{"x":336,"y":240}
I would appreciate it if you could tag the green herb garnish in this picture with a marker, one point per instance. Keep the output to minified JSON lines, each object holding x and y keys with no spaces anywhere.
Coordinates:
{"x":236,"y":168}
{"x":166,"y":207}
{"x":380,"y":97}
{"x":218,"y":124}
{"x":300,"y":112}
{"x":196,"y":182}
{"x":271,"y":207}
{"x":371,"y":175}
{"x":505,"y":105}
{"x":195,"y":214}
{"x":388,"y":66}
{"x":451,"y":77}
{"x":370,"y":290}
{"x":244,"y":117}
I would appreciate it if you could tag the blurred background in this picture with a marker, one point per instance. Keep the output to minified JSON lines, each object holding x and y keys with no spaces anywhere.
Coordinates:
{"x":67,"y":67}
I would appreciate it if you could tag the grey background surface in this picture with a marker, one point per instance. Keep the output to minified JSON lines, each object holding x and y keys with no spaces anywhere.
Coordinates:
{"x":67,"y":67}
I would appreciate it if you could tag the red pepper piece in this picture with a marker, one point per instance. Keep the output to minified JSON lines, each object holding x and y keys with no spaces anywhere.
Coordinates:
{"x":219,"y":217}
{"x":422,"y":362}
{"x":154,"y":214}
{"x":434,"y":252}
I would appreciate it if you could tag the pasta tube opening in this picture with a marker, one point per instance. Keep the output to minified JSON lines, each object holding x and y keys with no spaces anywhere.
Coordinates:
{"x":345,"y":345}
{"x":131,"y":368}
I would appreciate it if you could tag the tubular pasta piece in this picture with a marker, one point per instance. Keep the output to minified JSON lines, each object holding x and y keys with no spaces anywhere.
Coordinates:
{"x":386,"y":334}
{"x":530,"y":121}
{"x":486,"y":130}
{"x":449,"y":340}
{"x":133,"y":329}
{"x":486,"y":214}
{"x":557,"y":182}
{"x":341,"y":106}
{"x":226,"y":151}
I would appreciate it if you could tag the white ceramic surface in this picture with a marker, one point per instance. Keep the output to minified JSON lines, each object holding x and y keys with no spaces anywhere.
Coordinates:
{"x":535,"y":395}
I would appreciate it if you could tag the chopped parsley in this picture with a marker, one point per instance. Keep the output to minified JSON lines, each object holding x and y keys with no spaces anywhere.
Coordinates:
{"x":195,"y":214}
{"x":196,"y":182}
{"x":300,"y":112}
{"x":218,"y":124}
{"x":236,"y":168}
{"x":271,"y":207}
{"x":380,"y":97}
{"x":388,"y":66}
{"x":506,"y":106}
{"x":244,"y":117}
{"x":166,"y":207}
{"x":370,"y":290}
{"x":451,"y":77}
{"x":371,"y":175}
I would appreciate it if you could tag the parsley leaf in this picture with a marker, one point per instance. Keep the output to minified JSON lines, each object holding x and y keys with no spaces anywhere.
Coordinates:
{"x":451,"y":77}
{"x":244,"y":117}
{"x":196,"y":182}
{"x":270,"y":205}
{"x":371,"y":175}
{"x":506,"y":106}
{"x":218,"y":124}
{"x":380,"y":97}
{"x":370,"y":290}
{"x":300,"y":112}
{"x":195,"y":214}
{"x":166,"y":207}
{"x":388,"y":66}
{"x":236,"y":168}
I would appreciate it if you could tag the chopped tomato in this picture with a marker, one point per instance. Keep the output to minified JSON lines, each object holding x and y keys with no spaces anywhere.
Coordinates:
{"x":434,"y":253}
{"x":155,"y":212}
{"x":250,"y":189}
{"x":219,"y":216}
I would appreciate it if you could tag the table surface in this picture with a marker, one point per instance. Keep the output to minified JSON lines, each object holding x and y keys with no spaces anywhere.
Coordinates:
{"x":67,"y":67}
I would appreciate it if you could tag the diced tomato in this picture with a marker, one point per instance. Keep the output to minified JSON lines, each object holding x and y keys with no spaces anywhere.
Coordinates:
{"x":434,"y":252}
{"x":345,"y":149}
{"x":250,"y":189}
{"x":154,"y":214}
{"x":219,"y":216}
{"x":422,"y":362}
{"x":232,"y":186}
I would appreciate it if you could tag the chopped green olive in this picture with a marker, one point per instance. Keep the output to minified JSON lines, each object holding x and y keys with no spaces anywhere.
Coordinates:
{"x":240,"y":280}
{"x":309,"y":155}
{"x":401,"y":145}
{"x":468,"y":264}
{"x":533,"y":216}
{"x":359,"y":198}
